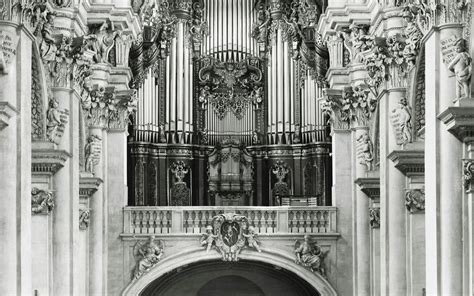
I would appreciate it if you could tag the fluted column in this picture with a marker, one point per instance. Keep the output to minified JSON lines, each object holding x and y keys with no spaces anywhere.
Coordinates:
{"x":444,"y":252}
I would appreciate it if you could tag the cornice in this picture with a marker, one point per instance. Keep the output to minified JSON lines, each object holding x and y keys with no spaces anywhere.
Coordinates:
{"x":88,"y":185}
{"x":460,"y":121}
{"x":48,"y":160}
{"x":409,"y":162}
{"x":370,"y":186}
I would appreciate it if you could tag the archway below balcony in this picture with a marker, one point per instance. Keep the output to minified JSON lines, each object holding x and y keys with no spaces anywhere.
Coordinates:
{"x":186,"y":271}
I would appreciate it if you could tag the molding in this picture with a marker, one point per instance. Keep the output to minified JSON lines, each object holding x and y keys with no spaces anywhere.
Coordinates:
{"x":460,"y":121}
{"x":48,"y":160}
{"x":409,"y":162}
{"x":7,"y":111}
{"x":370,"y":186}
{"x":88,"y":185}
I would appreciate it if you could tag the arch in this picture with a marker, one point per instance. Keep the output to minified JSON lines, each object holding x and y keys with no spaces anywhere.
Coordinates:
{"x":269,"y":256}
{"x":232,"y":283}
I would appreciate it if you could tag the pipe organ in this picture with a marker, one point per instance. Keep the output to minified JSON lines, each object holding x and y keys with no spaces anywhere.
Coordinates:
{"x":229,"y":77}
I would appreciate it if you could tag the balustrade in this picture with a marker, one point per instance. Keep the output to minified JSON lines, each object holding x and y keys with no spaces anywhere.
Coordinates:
{"x":193,"y":220}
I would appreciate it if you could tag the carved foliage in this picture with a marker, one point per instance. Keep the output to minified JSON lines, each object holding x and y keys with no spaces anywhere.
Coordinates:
{"x":415,"y":200}
{"x":37,"y":105}
{"x":42,"y":201}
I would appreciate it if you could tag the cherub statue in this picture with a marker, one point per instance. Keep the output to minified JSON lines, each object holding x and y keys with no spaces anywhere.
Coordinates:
{"x":309,"y":254}
{"x":148,"y":254}
{"x":48,"y":45}
{"x":462,"y":68}
{"x":203,"y":97}
{"x":252,"y":240}
{"x":54,"y":119}
{"x":257,"y":95}
{"x":208,"y":239}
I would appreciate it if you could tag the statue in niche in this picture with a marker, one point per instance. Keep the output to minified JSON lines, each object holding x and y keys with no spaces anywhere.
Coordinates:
{"x":366,"y":150}
{"x":310,"y":255}
{"x":102,"y":42}
{"x":148,"y":254}
{"x":461,"y":65}
{"x":92,"y":153}
{"x":255,"y":138}
{"x":252,"y":240}
{"x":208,"y":239}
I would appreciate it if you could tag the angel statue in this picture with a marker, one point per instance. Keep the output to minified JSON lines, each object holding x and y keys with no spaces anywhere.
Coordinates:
{"x":208,"y":239}
{"x":252,"y":240}
{"x":148,"y":254}
{"x":309,"y":254}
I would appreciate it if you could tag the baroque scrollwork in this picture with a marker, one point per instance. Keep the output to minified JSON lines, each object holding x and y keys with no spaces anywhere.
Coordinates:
{"x":310,"y":254}
{"x":147,"y":254}
{"x":42,"y":201}
{"x":415,"y":200}
{"x":84,"y":218}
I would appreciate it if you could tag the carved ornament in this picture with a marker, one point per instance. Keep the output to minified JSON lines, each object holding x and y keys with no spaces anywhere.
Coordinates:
{"x":229,"y":234}
{"x":365,"y":150}
{"x":42,"y":201}
{"x":401,"y":119}
{"x":415,"y":200}
{"x":374,"y":217}
{"x":92,"y":152}
{"x":56,"y":121}
{"x":180,"y":192}
{"x":84,"y":218}
{"x":468,"y":174}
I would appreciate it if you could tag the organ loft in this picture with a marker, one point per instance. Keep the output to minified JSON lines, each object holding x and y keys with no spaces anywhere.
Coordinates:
{"x":236,"y":147}
{"x":229,"y":105}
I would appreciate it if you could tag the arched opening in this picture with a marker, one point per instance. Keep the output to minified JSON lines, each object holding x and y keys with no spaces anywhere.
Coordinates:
{"x":234,"y":285}
{"x":245,"y":277}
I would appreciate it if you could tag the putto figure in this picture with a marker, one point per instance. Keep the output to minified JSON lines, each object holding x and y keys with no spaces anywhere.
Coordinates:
{"x":148,"y":254}
{"x":310,"y":254}
{"x":208,"y":239}
{"x":462,"y":68}
{"x":252,"y":240}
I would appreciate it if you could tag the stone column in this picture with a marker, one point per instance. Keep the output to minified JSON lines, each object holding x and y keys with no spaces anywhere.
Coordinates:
{"x":443,"y":167}
{"x":15,"y":162}
{"x":361,"y":222}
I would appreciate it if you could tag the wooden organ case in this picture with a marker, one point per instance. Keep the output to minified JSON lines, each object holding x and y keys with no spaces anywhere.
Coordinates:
{"x":228,"y":98}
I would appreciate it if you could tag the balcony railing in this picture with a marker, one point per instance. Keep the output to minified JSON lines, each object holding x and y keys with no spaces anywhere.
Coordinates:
{"x":193,"y":220}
